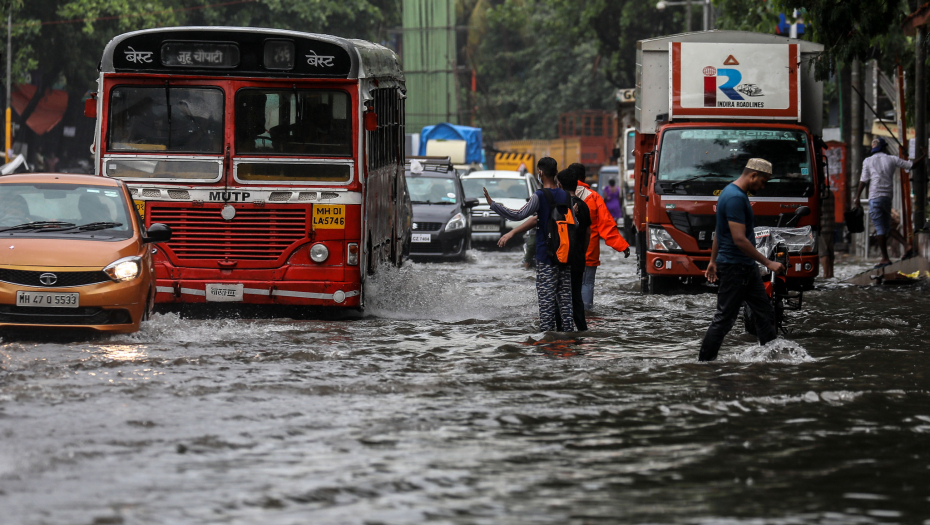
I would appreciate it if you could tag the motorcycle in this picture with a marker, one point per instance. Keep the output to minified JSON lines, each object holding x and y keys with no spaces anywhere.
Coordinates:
{"x":776,"y":243}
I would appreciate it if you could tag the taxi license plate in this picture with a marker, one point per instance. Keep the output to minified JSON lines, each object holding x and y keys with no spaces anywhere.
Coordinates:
{"x":224,"y":293}
{"x":486,"y":227}
{"x":140,"y":207}
{"x":47,"y":299}
{"x":420,"y":237}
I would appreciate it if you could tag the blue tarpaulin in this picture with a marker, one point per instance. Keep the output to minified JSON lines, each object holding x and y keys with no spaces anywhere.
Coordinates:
{"x":446,"y":131}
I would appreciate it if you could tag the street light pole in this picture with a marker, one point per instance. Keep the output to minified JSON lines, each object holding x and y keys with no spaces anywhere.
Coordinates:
{"x":706,"y":14}
{"x":8,"y":139}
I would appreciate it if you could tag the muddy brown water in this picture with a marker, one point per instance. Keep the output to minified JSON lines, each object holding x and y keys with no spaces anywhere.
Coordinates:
{"x":432,"y":408}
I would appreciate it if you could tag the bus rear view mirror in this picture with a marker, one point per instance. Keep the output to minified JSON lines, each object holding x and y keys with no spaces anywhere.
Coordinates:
{"x":371,"y":121}
{"x":90,"y":108}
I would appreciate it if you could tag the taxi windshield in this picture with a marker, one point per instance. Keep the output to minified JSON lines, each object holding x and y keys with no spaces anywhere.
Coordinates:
{"x":71,"y":208}
{"x":721,"y":154}
{"x":497,"y":188}
{"x":431,"y":190}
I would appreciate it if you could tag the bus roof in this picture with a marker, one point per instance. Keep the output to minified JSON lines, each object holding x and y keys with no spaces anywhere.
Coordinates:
{"x":246,"y":51}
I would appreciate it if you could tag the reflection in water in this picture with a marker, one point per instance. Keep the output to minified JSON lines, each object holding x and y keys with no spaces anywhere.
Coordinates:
{"x":442,"y":403}
{"x":123,"y":352}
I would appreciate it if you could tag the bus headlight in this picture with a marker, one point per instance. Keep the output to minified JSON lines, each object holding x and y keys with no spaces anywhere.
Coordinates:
{"x":660,"y":240}
{"x":125,"y":269}
{"x":319,"y":253}
{"x":352,"y":254}
{"x":456,"y":223}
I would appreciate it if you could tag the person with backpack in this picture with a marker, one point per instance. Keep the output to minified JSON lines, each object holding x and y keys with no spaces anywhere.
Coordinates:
{"x":555,"y":227}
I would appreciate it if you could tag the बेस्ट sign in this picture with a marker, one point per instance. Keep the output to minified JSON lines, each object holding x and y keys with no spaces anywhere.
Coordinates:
{"x":738,"y":81}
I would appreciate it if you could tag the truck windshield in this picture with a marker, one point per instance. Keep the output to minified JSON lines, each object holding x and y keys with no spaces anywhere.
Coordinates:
{"x":721,"y":154}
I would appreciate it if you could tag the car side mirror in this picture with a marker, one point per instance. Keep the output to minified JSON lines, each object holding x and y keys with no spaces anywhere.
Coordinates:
{"x":471,"y":202}
{"x":157,"y":232}
{"x":802,"y":211}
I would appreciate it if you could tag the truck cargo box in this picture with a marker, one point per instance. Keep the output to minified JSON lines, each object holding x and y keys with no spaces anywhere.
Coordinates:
{"x":727,"y":75}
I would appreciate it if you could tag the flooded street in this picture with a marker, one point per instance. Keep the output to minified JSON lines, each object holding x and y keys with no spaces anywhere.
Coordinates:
{"x":433,"y":407}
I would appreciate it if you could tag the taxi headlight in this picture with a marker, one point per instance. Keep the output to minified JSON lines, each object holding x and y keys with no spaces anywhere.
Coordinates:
{"x":125,"y":269}
{"x":319,"y":253}
{"x":457,"y":222}
{"x":660,"y":240}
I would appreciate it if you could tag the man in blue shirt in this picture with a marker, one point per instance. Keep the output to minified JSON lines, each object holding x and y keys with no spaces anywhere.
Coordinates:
{"x":733,"y":261}
{"x":553,"y":281}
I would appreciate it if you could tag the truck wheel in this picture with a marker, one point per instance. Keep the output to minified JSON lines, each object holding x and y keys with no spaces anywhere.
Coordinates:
{"x":641,"y":261}
{"x":628,"y":231}
{"x":658,"y":285}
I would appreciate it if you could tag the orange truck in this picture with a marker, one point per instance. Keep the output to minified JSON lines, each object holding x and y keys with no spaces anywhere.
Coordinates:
{"x":706,"y":103}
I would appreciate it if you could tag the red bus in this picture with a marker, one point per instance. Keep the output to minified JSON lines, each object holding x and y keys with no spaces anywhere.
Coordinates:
{"x":276,"y":157}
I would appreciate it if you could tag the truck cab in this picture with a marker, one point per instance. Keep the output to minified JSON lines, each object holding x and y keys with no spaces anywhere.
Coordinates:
{"x":697,"y":125}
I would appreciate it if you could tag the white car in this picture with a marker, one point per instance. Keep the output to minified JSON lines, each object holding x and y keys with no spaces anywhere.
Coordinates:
{"x":510,"y":188}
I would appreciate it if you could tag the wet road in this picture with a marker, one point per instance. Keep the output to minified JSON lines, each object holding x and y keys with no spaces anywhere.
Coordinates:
{"x":432,"y":408}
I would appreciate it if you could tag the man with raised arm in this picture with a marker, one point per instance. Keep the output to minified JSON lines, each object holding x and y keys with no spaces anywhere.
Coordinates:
{"x":733,"y":261}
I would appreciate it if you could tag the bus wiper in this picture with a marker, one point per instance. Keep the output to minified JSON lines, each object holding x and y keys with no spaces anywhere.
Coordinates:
{"x":99,"y":226}
{"x":696,"y":177}
{"x":40,"y":225}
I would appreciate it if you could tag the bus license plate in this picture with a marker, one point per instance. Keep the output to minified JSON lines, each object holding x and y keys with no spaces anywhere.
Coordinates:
{"x":140,"y":207}
{"x":420,"y":237}
{"x":329,"y":217}
{"x":224,"y":293}
{"x":47,"y":300}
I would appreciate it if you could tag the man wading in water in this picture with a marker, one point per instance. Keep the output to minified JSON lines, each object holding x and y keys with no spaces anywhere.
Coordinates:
{"x":733,"y":261}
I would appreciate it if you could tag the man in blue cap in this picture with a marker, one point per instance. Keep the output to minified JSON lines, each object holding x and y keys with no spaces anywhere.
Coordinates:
{"x":878,"y":172}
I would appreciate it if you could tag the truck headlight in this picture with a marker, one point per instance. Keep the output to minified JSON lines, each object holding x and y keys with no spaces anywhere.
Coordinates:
{"x":660,"y":240}
{"x":457,"y":222}
{"x":125,"y":269}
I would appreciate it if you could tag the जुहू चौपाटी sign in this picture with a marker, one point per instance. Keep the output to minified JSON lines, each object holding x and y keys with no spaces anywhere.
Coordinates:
{"x":734,"y":81}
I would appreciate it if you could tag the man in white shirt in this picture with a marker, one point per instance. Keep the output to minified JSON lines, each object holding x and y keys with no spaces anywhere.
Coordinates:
{"x":878,"y":172}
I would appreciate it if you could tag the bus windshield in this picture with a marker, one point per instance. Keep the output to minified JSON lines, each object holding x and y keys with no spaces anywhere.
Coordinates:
{"x":293,"y":122}
{"x":721,"y":154}
{"x":140,"y":120}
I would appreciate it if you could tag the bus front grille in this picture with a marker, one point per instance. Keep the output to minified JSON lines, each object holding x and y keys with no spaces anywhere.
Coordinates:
{"x":254,"y":234}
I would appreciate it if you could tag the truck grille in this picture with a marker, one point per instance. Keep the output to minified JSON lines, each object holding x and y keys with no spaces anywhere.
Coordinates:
{"x":254,"y":234}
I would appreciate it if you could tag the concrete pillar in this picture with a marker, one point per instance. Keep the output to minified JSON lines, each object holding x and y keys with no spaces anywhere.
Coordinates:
{"x":920,"y":131}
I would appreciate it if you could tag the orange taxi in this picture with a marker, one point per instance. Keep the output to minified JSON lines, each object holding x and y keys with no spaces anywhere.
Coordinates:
{"x":74,"y":254}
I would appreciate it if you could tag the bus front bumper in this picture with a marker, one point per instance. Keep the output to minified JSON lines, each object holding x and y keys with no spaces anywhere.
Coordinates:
{"x":306,"y":293}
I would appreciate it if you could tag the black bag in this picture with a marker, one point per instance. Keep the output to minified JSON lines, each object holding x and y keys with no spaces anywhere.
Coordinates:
{"x":854,"y":220}
{"x":560,"y":230}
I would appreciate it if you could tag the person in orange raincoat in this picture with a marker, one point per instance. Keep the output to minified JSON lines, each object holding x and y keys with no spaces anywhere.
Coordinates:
{"x":603,"y":226}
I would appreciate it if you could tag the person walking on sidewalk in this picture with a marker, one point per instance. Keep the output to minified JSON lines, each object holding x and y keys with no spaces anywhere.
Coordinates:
{"x":603,"y":226}
{"x":733,"y":261}
{"x":553,"y":281}
{"x":878,"y":172}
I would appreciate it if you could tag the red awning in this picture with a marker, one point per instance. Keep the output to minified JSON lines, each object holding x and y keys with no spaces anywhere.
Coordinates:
{"x":47,"y":114}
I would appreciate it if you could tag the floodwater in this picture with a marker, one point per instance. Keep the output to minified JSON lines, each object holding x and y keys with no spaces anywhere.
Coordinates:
{"x":435,"y":407}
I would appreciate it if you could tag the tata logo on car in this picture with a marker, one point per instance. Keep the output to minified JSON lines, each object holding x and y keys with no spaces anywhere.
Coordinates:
{"x":48,"y":279}
{"x":225,"y":196}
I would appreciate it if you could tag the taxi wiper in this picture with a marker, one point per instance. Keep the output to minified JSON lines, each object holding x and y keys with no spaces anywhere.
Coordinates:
{"x":696,"y":177}
{"x":99,"y":225}
{"x":40,"y":225}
